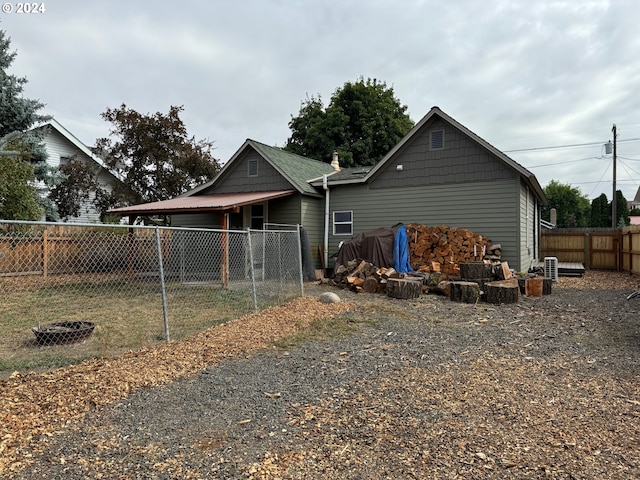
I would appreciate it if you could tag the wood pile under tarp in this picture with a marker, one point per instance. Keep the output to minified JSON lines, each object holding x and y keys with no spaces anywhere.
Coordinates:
{"x":442,"y":248}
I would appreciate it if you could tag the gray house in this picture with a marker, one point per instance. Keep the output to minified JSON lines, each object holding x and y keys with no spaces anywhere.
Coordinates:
{"x":439,"y":173}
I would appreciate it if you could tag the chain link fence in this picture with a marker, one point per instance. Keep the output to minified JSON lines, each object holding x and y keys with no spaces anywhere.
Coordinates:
{"x":71,"y":292}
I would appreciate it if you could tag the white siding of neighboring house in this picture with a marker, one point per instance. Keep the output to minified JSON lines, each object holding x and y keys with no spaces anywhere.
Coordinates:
{"x":57,"y":147}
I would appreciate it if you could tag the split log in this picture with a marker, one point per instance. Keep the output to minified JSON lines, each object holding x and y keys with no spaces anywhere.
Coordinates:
{"x":403,"y":288}
{"x":466,"y":292}
{"x":546,"y":286}
{"x":502,"y":292}
{"x":503,"y":272}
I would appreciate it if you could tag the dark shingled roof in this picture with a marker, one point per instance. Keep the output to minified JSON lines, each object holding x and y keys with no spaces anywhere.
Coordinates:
{"x":295,"y":168}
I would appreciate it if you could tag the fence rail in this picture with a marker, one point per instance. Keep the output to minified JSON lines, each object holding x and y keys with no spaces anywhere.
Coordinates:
{"x":606,"y":249}
{"x":131,"y":285}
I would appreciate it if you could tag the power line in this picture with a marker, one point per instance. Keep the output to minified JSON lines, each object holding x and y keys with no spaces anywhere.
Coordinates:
{"x":562,"y":163}
{"x":555,"y":147}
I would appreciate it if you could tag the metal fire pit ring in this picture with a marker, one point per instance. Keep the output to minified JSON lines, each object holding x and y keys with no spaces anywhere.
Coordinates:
{"x":63,"y":332}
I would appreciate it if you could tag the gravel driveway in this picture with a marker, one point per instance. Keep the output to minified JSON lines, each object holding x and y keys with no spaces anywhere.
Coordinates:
{"x":545,"y":388}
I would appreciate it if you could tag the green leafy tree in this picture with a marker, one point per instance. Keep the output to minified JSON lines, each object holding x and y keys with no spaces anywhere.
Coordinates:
{"x":79,"y":187}
{"x":572,"y":206}
{"x":74,"y":190}
{"x":18,"y":200}
{"x":154,"y":153}
{"x":17,"y":116}
{"x":362,"y":122}
{"x":600,"y":212}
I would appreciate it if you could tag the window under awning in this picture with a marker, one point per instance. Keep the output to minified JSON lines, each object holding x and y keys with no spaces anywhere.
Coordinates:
{"x":200,"y":203}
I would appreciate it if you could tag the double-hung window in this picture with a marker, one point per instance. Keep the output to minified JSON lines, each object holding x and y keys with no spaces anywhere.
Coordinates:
{"x":343,"y":223}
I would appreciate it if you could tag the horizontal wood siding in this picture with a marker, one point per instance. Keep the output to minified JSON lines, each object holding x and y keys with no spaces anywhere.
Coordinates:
{"x":313,"y":223}
{"x":197,"y":220}
{"x":461,"y":161}
{"x":237,"y":179}
{"x":487,"y":208}
{"x":285,"y":210}
{"x":58,"y":146}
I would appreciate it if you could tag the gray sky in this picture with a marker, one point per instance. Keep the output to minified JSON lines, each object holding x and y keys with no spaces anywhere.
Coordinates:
{"x":521,"y":74}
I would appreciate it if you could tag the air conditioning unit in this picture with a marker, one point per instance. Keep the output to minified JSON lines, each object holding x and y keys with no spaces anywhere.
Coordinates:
{"x":551,"y":268}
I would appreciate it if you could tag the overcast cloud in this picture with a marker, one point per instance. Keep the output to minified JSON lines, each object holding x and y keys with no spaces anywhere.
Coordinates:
{"x":521,"y":74}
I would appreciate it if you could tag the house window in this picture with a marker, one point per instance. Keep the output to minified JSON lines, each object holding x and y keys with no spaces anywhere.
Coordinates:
{"x":436,"y":141}
{"x":253,"y":168}
{"x":257,"y":216}
{"x":64,"y":160}
{"x":343,"y":223}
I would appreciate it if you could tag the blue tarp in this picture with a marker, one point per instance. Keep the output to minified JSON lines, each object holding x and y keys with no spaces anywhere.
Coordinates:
{"x":401,"y":257}
{"x":383,"y":247}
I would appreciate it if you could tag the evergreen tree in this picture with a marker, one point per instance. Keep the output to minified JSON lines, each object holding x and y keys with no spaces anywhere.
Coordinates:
{"x":17,"y":116}
{"x":600,"y":212}
{"x":622,"y":210}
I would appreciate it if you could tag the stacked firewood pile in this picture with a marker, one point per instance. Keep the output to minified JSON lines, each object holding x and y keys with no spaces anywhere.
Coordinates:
{"x":436,"y":254}
{"x":442,"y":248}
{"x":363,"y":276}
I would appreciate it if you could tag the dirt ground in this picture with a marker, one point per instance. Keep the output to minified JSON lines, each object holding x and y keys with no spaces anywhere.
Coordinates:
{"x":544,"y":388}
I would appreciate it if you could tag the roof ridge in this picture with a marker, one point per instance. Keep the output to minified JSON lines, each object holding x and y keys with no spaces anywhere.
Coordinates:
{"x":282,"y":150}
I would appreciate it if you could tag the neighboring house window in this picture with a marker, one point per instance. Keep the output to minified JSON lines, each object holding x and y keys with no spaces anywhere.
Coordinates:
{"x":436,"y":140}
{"x":253,"y":168}
{"x":64,"y":160}
{"x":343,"y":223}
{"x":257,"y":216}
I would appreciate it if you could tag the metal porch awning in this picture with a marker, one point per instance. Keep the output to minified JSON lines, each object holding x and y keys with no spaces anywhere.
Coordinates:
{"x":201,"y":203}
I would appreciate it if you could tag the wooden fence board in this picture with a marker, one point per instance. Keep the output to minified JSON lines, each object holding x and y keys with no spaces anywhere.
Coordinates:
{"x":607,"y":250}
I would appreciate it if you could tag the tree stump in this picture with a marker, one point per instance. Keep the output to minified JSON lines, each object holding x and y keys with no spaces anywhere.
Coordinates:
{"x":466,"y":292}
{"x":546,"y":286}
{"x":502,"y":292}
{"x":403,"y":288}
{"x":481,"y":284}
{"x":533,"y":287}
{"x":470,"y":270}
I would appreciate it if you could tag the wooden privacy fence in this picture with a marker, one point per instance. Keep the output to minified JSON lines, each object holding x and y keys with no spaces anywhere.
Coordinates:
{"x":605,"y":249}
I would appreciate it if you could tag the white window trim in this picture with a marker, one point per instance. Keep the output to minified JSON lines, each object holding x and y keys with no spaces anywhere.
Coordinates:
{"x":343,"y":223}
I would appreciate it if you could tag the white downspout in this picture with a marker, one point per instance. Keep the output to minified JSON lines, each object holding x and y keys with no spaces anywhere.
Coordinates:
{"x":325,"y":187}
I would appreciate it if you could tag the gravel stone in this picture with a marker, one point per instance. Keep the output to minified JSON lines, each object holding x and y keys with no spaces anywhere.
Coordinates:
{"x":544,"y":388}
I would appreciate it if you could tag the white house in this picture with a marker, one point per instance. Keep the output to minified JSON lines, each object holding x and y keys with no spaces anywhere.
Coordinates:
{"x":62,"y":146}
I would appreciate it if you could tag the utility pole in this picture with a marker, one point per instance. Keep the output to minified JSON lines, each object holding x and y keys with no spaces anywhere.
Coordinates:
{"x":614,"y":219}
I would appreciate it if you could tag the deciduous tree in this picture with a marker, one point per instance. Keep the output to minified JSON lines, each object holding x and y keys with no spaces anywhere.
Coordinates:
{"x":154,"y":154}
{"x":572,"y":206}
{"x":362,"y":122}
